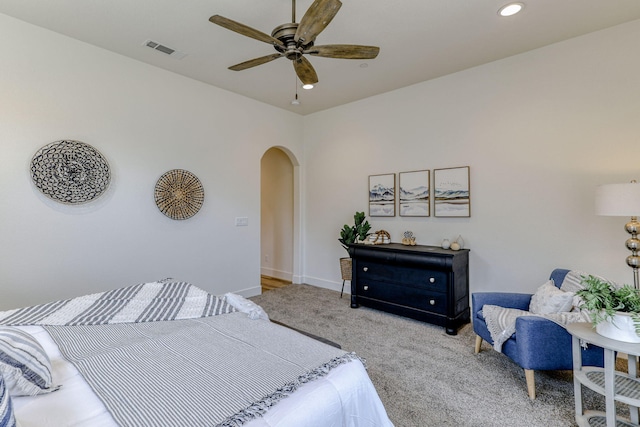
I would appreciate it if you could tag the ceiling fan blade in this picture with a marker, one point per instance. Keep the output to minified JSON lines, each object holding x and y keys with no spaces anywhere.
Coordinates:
{"x":255,"y":62}
{"x":305,"y":71}
{"x":244,"y":30}
{"x":316,"y":19}
{"x":344,"y":51}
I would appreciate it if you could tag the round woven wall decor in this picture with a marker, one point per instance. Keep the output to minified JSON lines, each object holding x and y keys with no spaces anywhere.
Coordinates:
{"x":179,"y":194}
{"x":70,"y":172}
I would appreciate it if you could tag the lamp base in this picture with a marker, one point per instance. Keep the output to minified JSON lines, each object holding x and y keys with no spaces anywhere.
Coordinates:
{"x":633,"y":244}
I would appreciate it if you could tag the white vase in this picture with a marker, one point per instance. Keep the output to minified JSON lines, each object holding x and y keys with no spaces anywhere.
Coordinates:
{"x":620,"y":327}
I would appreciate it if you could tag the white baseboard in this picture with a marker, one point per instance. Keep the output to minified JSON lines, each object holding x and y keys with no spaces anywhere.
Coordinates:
{"x":278,"y":274}
{"x":249,"y":292}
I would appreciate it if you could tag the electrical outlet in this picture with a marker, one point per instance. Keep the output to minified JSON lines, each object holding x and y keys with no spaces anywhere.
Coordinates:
{"x":266,"y":258}
{"x":242,"y":221}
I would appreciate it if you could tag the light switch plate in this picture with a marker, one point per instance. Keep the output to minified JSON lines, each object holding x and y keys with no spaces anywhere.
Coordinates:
{"x":242,"y":221}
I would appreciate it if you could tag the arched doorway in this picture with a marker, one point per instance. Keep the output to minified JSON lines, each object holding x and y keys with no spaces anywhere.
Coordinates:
{"x":278,"y":218}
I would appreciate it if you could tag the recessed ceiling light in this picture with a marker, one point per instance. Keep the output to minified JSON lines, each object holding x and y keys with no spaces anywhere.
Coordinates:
{"x":510,"y":9}
{"x":307,"y":87}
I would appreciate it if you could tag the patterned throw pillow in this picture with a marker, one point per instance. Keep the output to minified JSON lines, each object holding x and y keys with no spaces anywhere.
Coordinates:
{"x":7,"y":419}
{"x":548,"y":299}
{"x":24,"y":364}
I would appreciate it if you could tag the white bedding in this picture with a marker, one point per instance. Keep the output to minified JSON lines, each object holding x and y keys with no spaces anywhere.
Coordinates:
{"x":345,"y":397}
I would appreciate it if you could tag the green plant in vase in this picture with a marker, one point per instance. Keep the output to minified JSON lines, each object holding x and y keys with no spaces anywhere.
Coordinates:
{"x":348,"y":235}
{"x":356,"y":232}
{"x":603,"y":300}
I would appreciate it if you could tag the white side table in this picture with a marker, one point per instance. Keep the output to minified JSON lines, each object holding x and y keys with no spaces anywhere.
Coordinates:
{"x":616,"y":386}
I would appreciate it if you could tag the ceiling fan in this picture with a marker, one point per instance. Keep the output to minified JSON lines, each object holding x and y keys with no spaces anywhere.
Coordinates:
{"x":294,"y":40}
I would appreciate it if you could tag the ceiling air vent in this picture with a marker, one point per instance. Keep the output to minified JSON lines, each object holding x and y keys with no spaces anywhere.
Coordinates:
{"x":164,"y":49}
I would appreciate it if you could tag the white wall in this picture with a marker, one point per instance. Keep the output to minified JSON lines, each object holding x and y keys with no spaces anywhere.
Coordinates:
{"x":539,"y":131}
{"x":145,"y":121}
{"x":276,"y":216}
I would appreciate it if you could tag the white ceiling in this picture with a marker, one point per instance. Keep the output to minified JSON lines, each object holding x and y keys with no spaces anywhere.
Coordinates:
{"x":418,"y":39}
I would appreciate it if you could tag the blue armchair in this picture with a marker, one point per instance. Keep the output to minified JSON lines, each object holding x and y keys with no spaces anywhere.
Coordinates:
{"x":538,"y":344}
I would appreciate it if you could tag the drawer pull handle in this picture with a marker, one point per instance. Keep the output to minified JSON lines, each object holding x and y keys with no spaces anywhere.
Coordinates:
{"x":432,"y":280}
{"x":432,"y":302}
{"x":365,"y":269}
{"x":365,"y":287}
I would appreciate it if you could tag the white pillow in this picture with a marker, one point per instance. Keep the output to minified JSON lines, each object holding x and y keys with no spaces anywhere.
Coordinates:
{"x":548,"y":299}
{"x":243,"y":305}
{"x":573,"y":283}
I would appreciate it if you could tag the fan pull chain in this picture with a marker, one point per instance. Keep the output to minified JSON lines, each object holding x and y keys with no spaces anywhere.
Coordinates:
{"x":295,"y":100}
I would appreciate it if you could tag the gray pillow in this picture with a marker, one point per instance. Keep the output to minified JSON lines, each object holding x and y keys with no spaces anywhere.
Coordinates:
{"x":6,"y":409}
{"x":24,"y":364}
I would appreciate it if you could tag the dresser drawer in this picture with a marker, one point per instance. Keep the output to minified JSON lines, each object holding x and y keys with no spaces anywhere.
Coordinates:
{"x":428,"y":279}
{"x":419,"y":298}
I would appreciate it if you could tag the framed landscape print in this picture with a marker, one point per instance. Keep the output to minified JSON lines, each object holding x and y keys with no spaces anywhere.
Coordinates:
{"x":414,"y":193}
{"x":451,"y":196}
{"x":382,"y":195}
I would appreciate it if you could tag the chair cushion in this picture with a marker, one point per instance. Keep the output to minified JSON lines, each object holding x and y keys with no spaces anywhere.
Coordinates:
{"x":548,"y":299}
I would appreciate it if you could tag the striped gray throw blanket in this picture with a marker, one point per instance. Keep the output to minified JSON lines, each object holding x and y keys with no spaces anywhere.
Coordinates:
{"x":147,"y":302}
{"x":170,"y":354}
{"x":501,"y":321}
{"x":212,"y":371}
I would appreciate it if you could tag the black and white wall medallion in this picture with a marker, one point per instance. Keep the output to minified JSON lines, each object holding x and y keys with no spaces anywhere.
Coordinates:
{"x":179,"y":194}
{"x":70,"y":172}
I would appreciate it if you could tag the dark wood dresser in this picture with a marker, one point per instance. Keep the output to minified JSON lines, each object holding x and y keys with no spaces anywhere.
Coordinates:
{"x":422,"y":282}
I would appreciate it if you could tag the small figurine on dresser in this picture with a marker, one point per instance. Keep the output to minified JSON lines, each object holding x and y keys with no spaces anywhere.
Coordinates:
{"x":457,"y":244}
{"x":380,"y":237}
{"x":409,"y":239}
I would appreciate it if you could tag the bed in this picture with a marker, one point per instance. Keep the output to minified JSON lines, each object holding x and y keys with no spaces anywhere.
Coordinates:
{"x":168,"y":353}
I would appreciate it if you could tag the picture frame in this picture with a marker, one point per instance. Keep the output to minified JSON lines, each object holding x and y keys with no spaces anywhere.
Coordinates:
{"x":414,"y":193}
{"x":382,"y":195}
{"x":452,"y":192}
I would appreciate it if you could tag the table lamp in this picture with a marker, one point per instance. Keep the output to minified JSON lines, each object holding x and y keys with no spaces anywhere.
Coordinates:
{"x":623,"y":200}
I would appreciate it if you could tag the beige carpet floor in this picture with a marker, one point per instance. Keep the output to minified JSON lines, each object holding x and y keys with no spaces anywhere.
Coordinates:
{"x":425,"y":377}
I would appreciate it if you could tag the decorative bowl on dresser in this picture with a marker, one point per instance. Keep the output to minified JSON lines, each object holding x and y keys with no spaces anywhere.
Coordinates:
{"x":426,"y":283}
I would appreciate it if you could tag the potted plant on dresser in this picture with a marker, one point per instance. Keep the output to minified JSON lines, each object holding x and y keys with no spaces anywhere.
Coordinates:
{"x":348,"y":235}
{"x":614,"y":311}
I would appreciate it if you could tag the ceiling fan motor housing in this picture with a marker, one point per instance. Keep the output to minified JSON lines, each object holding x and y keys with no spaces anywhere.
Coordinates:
{"x":286,"y":33}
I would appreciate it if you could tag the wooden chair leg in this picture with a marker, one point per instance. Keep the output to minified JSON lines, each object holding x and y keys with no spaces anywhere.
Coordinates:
{"x":531,"y":383}
{"x":341,"y":292}
{"x":478,"y":344}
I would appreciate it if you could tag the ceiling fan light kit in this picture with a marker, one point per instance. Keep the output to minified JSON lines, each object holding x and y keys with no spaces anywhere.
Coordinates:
{"x":294,"y":40}
{"x":510,"y":9}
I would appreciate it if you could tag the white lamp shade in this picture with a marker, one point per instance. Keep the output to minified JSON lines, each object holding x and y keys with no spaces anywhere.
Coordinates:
{"x":618,"y":199}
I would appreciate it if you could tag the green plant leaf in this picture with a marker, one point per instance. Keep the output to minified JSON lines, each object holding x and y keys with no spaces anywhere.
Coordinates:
{"x":602,"y":299}
{"x":360,"y":230}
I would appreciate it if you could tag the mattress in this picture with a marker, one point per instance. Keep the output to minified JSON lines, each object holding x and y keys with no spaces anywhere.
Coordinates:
{"x":344,"y":397}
